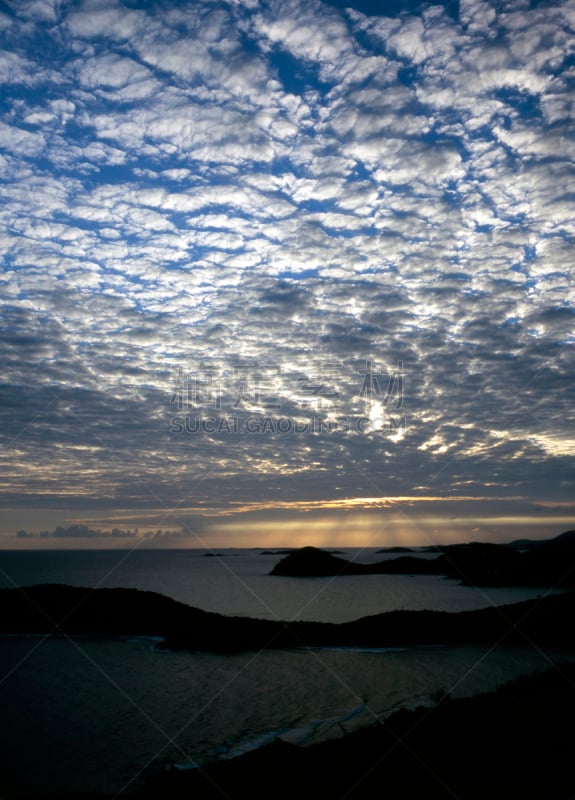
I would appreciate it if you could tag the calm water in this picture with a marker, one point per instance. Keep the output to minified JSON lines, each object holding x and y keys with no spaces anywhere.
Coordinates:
{"x":239,"y":583}
{"x":99,"y":715}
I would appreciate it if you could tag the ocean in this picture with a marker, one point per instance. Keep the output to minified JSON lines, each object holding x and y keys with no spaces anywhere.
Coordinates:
{"x":101,"y":715}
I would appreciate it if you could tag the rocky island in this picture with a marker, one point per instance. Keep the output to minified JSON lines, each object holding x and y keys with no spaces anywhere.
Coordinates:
{"x":548,"y":563}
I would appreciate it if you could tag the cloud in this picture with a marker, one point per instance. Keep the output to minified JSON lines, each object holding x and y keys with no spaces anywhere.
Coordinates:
{"x":37,"y":10}
{"x":295,"y":189}
{"x":105,"y":20}
{"x":80,"y":531}
{"x":83,"y":532}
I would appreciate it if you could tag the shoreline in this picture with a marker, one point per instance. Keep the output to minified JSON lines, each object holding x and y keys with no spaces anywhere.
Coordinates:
{"x":55,"y":608}
{"x":485,"y":745}
{"x":491,"y":744}
{"x":456,"y":643}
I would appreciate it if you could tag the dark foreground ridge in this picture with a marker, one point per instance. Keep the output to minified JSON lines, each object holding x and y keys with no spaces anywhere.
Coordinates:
{"x":74,"y":611}
{"x":542,"y":563}
{"x":516,"y":742}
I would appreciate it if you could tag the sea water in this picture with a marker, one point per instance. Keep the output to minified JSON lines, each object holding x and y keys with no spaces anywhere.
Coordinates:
{"x":238,"y":582}
{"x":101,"y":715}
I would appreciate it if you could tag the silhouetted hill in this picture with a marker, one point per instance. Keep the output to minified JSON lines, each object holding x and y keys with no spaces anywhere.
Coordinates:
{"x":480,"y":563}
{"x":516,"y":742}
{"x":563,"y":537}
{"x":57,"y":608}
{"x":553,"y":561}
{"x":466,"y":562}
{"x":548,"y":564}
{"x":76,"y":611}
{"x":531,"y":544}
{"x":311,"y":562}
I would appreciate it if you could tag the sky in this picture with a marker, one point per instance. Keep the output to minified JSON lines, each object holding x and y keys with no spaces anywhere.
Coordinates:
{"x":283,"y":272}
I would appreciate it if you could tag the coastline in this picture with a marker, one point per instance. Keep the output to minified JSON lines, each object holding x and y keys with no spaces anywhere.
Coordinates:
{"x":515,"y":741}
{"x":345,"y":681}
{"x":53,"y":608}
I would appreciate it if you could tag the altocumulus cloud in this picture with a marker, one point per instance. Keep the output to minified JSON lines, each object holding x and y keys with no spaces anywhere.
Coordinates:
{"x":306,"y":212}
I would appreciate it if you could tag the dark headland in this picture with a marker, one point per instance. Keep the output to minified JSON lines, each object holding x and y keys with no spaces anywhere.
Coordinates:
{"x":548,"y":563}
{"x":75,"y":611}
{"x":516,"y":742}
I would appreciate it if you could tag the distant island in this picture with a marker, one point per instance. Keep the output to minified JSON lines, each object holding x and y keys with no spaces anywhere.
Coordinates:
{"x":288,"y":550}
{"x":543,"y":563}
{"x":220,"y":555}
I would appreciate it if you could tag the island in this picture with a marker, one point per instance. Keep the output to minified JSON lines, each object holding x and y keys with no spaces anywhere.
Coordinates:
{"x":549,"y":563}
